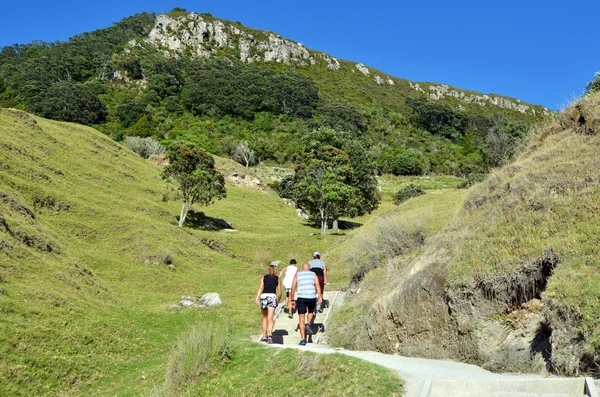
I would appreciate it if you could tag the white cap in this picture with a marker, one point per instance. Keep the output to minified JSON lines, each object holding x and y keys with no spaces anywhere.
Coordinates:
{"x":275,"y":263}
{"x":316,"y":253}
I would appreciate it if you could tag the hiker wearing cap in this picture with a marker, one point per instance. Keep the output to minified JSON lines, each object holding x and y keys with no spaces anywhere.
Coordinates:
{"x":290,"y":272}
{"x":267,"y":298}
{"x":309,"y":290}
{"x":319,"y":267}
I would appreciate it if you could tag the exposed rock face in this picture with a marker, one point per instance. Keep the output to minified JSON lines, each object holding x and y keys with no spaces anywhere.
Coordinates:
{"x":246,"y":180}
{"x":425,"y":317}
{"x":437,"y":92}
{"x":203,"y":36}
{"x":362,"y":68}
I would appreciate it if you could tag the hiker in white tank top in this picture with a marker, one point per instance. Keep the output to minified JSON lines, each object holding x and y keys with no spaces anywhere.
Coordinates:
{"x":290,"y":272}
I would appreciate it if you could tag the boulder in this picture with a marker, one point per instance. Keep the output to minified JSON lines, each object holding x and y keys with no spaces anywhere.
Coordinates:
{"x":210,"y":299}
{"x":302,"y":214}
{"x":187,"y":303}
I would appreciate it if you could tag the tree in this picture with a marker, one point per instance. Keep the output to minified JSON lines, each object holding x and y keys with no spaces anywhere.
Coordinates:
{"x":73,"y":102}
{"x":241,"y":153}
{"x":334,"y":178}
{"x":321,"y":188}
{"x":193,"y":170}
{"x":501,"y":141}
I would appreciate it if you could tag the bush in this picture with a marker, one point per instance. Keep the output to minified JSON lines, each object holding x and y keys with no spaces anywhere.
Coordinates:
{"x":196,"y":354}
{"x":145,"y":147}
{"x":594,"y":85}
{"x":407,"y":163}
{"x":470,"y":180}
{"x":408,"y":192}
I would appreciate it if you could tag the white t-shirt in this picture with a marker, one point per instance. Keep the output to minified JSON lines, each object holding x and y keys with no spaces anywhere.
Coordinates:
{"x":289,"y":276}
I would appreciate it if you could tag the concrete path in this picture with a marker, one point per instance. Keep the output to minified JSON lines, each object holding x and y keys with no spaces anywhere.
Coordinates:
{"x":433,"y":378}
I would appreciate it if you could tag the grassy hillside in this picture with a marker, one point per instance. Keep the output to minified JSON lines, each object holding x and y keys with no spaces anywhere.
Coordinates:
{"x":91,"y":258}
{"x":511,"y":281}
{"x":546,"y":200}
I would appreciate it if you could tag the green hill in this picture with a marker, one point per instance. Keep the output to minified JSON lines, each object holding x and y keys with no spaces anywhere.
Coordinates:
{"x":194,"y":76}
{"x":91,"y":258}
{"x":512,"y":282}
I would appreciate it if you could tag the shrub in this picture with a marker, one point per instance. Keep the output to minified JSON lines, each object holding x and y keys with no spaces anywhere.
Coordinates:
{"x":196,"y":354}
{"x":408,"y":192}
{"x":145,"y":147}
{"x":470,"y":180}
{"x":593,"y":85}
{"x":407,"y":163}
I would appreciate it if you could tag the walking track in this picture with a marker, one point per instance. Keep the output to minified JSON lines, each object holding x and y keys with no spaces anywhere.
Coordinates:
{"x":432,"y":378}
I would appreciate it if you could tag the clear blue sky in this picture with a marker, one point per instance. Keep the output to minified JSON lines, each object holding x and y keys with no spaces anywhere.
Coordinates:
{"x":542,"y":52}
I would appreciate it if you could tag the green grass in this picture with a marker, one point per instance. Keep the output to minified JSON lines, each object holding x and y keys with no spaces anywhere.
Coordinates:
{"x":260,"y":370}
{"x":84,"y":294}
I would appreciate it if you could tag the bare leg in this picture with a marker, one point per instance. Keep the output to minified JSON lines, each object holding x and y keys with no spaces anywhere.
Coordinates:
{"x":302,"y":326}
{"x":265,"y":318}
{"x":311,"y":317}
{"x":270,"y":320}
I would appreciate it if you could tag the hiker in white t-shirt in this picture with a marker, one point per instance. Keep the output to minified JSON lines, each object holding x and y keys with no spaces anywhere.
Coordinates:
{"x":290,"y":271}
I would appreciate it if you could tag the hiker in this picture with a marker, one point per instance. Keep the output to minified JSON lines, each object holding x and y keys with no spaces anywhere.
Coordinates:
{"x":267,"y":298}
{"x":318,"y":267}
{"x":309,"y":289}
{"x":290,"y":272}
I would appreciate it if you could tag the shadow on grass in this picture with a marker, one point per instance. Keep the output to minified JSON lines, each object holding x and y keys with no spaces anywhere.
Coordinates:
{"x":342,"y":225}
{"x":199,"y":221}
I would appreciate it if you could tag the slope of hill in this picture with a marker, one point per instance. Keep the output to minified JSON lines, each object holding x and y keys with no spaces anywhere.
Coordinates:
{"x":512,"y":282}
{"x":193,"y":76}
{"x":91,"y":258}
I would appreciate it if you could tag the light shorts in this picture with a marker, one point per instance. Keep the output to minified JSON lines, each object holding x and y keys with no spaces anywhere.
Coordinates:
{"x":268,"y":300}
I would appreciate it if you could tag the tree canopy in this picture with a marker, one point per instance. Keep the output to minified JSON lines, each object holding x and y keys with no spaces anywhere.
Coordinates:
{"x":193,"y":171}
{"x":335,"y":176}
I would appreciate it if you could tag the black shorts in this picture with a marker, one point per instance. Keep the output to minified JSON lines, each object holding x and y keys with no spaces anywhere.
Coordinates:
{"x":302,"y":304}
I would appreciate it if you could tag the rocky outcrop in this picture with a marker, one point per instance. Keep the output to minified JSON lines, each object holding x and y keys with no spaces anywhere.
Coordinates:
{"x":362,"y":68}
{"x":437,"y":92}
{"x":205,"y":36}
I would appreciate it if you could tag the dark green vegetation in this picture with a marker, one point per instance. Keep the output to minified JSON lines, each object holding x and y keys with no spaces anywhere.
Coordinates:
{"x":91,"y":258}
{"x":334,"y":177}
{"x":116,"y":81}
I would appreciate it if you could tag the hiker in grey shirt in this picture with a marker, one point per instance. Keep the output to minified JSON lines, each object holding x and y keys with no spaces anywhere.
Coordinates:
{"x":309,"y":289}
{"x":318,"y":267}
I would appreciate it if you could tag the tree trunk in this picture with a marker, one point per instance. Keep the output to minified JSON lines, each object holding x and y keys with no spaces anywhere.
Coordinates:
{"x":335,"y":228}
{"x":184,"y":211}
{"x":323,"y":222}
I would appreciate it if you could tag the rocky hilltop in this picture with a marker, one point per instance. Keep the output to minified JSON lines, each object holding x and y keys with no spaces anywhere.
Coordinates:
{"x":201,"y":35}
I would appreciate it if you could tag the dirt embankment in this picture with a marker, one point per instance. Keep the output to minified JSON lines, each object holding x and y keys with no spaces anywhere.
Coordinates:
{"x":502,"y":323}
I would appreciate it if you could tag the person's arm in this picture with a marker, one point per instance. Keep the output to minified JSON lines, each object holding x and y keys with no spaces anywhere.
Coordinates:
{"x":280,"y":273}
{"x":293,"y":291}
{"x":324,"y":274}
{"x":278,"y":292}
{"x":319,"y":292}
{"x":260,"y":289}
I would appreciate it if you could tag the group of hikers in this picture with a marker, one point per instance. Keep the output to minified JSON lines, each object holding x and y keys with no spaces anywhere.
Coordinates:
{"x":309,"y":282}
